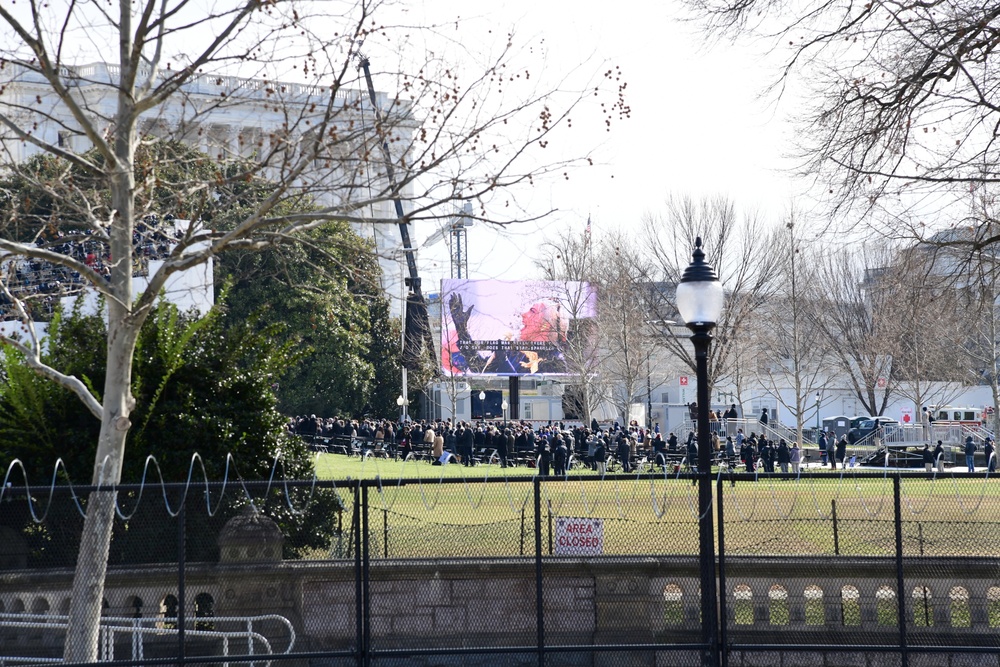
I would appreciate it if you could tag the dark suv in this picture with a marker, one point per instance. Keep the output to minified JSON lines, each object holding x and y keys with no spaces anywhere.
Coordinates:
{"x":865,"y":428}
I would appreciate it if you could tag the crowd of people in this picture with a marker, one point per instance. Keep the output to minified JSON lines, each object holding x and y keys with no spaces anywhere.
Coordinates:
{"x":39,"y":284}
{"x":555,"y":446}
{"x":552,"y":447}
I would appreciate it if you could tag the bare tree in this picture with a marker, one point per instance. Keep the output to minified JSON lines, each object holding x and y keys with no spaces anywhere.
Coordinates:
{"x":855,"y":312}
{"x":738,"y":249}
{"x":447,"y":134}
{"x":926,"y":325}
{"x":786,"y":350}
{"x":977,"y":295}
{"x":570,"y":259}
{"x":900,"y":95}
{"x":623,"y":325}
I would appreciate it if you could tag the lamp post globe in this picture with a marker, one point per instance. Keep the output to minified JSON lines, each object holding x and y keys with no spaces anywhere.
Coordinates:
{"x":482,"y":404}
{"x":504,"y":406}
{"x":400,"y":401}
{"x":699,"y":298}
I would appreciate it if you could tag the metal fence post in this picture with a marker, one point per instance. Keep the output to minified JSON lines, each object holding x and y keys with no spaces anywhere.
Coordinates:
{"x":836,"y":536}
{"x":539,"y":598}
{"x":181,"y":581}
{"x":723,"y":639}
{"x":385,"y":533}
{"x":522,"y":530}
{"x":550,"y":523}
{"x":366,"y":579}
{"x":901,"y":592}
{"x":359,"y":581}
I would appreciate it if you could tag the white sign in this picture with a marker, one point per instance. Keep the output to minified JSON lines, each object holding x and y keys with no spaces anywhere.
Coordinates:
{"x":906,"y":415}
{"x":579,"y":537}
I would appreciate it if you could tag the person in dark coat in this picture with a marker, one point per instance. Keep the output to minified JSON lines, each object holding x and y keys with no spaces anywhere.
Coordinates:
{"x":841,"y":452}
{"x":939,"y":456}
{"x":468,"y":444}
{"x":692,"y":453}
{"x":659,"y":452}
{"x":763,"y":416}
{"x":624,"y":452}
{"x":544,"y":458}
{"x":748,"y":454}
{"x":767,"y":455}
{"x":600,"y":456}
{"x":561,"y":456}
{"x":928,"y":458}
{"x":784,"y":458}
{"x":970,"y":453}
{"x":500,"y":445}
{"x":990,"y":450}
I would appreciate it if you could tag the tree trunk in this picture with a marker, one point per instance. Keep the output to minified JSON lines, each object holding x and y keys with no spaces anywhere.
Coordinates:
{"x":86,"y":602}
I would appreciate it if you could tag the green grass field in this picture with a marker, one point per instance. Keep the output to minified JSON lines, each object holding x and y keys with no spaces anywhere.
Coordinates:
{"x":491,"y":512}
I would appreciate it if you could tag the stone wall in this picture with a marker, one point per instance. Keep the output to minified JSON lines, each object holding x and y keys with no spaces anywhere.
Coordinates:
{"x":492,"y":603}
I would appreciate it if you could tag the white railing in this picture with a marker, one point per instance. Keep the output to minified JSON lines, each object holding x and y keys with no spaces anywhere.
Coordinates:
{"x":241,"y":640}
{"x":724,"y":427}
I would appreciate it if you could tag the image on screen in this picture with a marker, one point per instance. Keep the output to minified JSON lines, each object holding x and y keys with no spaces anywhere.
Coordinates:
{"x":511,"y":327}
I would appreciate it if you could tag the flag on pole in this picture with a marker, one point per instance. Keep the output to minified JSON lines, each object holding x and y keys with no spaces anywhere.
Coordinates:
{"x":586,"y":232}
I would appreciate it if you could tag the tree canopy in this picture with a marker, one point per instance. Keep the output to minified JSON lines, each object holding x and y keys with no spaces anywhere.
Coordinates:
{"x":899,"y":96}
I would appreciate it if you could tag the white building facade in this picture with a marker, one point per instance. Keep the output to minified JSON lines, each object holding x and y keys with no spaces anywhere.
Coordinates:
{"x":230,"y":117}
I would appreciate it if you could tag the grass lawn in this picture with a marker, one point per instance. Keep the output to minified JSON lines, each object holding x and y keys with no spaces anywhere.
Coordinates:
{"x":491,"y":512}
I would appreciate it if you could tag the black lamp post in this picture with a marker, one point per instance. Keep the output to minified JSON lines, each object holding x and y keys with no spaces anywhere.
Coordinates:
{"x":699,"y":302}
{"x":817,"y":416}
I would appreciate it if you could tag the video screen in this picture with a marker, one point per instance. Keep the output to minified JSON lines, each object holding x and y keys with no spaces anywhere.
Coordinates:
{"x":512,"y":327}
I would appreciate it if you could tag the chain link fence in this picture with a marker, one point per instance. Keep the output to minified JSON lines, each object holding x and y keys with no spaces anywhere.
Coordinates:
{"x":856,"y":569}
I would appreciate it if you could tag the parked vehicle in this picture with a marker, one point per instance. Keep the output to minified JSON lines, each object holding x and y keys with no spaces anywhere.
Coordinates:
{"x":857,"y":419}
{"x":951,"y":414}
{"x":884,"y":425}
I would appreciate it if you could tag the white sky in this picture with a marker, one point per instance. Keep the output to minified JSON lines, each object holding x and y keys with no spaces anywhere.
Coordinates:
{"x":697,"y":125}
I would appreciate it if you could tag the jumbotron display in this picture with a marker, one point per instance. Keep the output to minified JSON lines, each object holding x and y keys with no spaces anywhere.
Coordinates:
{"x":511,"y":327}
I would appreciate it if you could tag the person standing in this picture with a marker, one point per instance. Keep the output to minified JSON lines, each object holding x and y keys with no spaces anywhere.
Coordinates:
{"x":766,"y":455}
{"x":928,"y":457}
{"x":990,"y":450}
{"x":939,"y":456}
{"x":692,"y":453}
{"x":437,"y":444}
{"x":970,"y":453}
{"x":831,"y":449}
{"x":841,"y":452}
{"x":544,"y":458}
{"x":600,"y":455}
{"x":468,"y":444}
{"x":822,"y":448}
{"x":561,"y":456}
{"x":749,"y":454}
{"x":624,"y":452}
{"x":763,"y":417}
{"x":795,"y":457}
{"x":784,"y":456}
